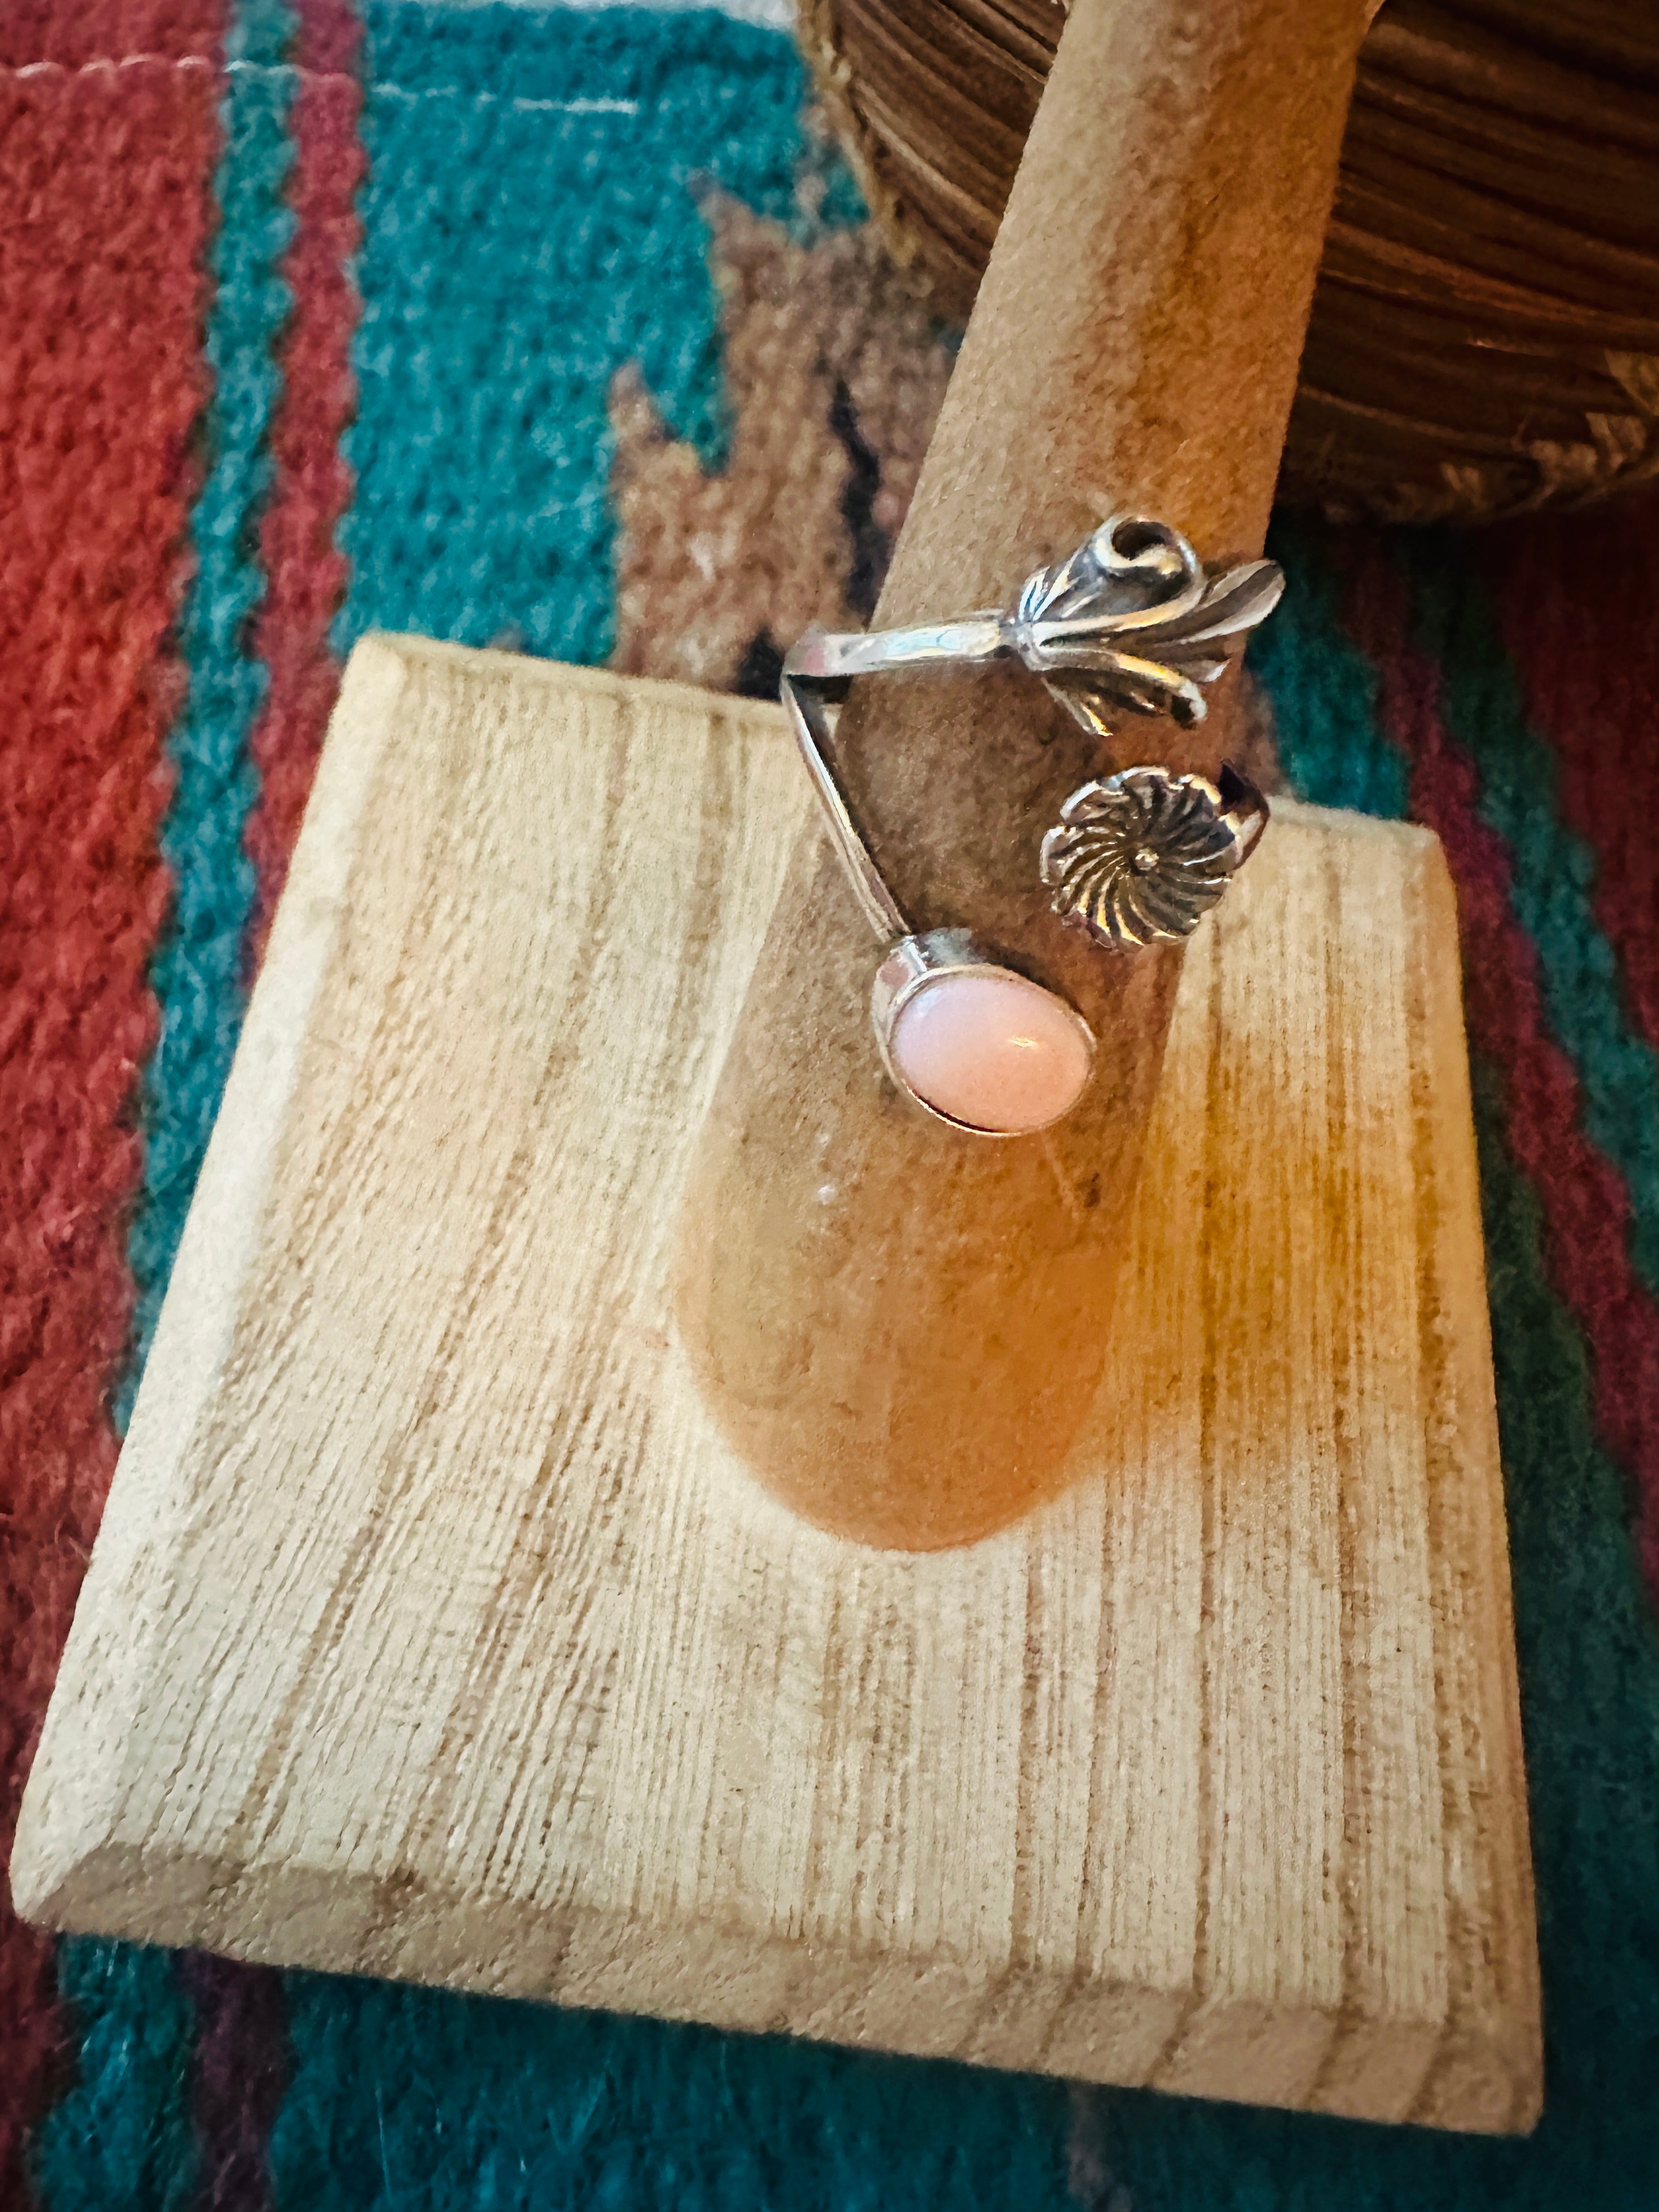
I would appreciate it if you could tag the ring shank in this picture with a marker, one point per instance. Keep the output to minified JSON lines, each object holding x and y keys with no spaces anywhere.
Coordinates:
{"x":825,"y":657}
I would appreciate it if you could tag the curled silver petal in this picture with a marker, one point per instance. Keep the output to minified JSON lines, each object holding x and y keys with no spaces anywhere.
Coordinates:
{"x":1132,"y":622}
{"x":1140,"y":857}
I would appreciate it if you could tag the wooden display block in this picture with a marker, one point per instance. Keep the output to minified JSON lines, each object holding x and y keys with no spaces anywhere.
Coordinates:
{"x":434,"y":1632}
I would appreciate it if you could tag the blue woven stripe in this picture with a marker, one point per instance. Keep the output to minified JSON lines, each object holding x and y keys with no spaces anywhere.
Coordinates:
{"x":197,"y":971}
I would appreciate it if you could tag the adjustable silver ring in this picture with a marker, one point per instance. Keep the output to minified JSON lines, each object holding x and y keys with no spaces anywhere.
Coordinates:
{"x":1130,"y":622}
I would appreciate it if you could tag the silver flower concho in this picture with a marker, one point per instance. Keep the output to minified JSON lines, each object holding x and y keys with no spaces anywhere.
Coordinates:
{"x":1131,"y":622}
{"x":1142,"y":856}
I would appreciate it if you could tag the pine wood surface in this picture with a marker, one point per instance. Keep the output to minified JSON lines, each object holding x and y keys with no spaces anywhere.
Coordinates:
{"x":1484,"y":338}
{"x":432,"y":1630}
{"x":1133,"y":346}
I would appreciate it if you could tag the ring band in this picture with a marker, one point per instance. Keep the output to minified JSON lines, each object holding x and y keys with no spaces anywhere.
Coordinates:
{"x":1130,"y":622}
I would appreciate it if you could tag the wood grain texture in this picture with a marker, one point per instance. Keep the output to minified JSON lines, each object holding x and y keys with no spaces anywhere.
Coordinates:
{"x":433,"y":1630}
{"x":1135,"y":345}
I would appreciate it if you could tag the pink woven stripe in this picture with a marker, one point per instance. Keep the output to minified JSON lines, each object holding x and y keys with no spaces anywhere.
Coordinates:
{"x":329,"y":36}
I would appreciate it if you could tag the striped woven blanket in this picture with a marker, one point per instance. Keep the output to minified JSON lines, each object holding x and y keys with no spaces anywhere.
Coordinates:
{"x":562,"y":329}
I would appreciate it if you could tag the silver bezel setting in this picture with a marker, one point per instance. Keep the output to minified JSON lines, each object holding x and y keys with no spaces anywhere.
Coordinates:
{"x":917,"y":963}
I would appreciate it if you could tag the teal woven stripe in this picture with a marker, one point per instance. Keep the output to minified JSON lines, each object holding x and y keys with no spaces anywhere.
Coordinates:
{"x":121,"y":2141}
{"x":531,"y":225}
{"x":262,"y":32}
{"x":415,"y":2100}
{"x":1322,"y":688}
{"x":1554,"y":871}
{"x":197,"y":971}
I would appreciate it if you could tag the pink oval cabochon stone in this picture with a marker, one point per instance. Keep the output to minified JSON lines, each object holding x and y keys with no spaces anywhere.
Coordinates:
{"x":994,"y":1051}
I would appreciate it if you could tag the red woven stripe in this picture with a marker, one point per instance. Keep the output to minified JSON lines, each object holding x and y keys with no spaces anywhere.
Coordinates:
{"x":305,"y":576}
{"x":1585,"y":1206}
{"x":1588,"y":660}
{"x":75,"y":32}
{"x":103,"y":213}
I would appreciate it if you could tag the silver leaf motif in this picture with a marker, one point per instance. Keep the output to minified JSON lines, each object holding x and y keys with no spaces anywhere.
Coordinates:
{"x":1130,"y":621}
{"x":1140,"y":857}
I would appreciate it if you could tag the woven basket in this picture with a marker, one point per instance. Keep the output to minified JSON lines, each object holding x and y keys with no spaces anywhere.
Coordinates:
{"x":1485,"y":331}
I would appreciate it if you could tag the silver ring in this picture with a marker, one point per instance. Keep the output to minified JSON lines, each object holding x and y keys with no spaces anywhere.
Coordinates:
{"x":1131,"y":623}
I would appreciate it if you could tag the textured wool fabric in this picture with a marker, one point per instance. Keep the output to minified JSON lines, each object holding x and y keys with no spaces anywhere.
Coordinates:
{"x":73,"y":33}
{"x":1586,"y":1205}
{"x":104,"y":179}
{"x":123,"y":2137}
{"x":531,"y":228}
{"x":238,"y":2075}
{"x":562,"y":330}
{"x":1588,"y":661}
{"x":619,"y":2113}
{"x":303,"y":575}
{"x":1588,"y":1000}
{"x":197,"y":969}
{"x":833,"y":375}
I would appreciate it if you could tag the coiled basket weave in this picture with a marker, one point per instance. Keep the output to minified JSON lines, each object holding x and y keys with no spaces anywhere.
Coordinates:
{"x":1485,"y":332}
